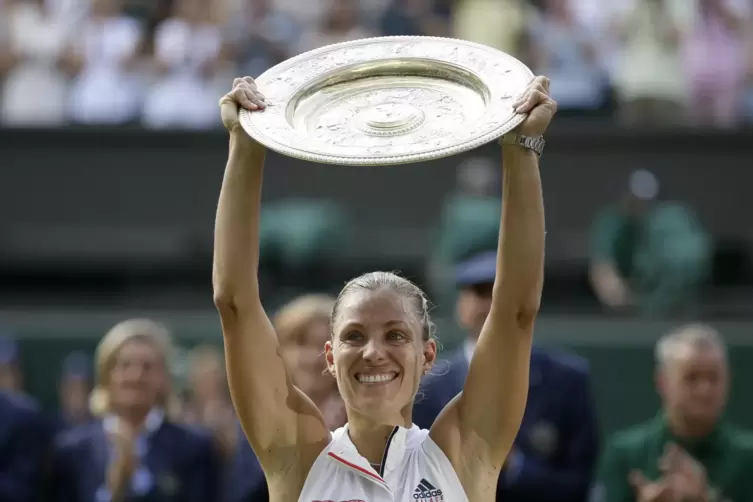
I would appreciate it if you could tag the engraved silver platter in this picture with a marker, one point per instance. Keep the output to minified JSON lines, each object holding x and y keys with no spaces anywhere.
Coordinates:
{"x":388,"y":100}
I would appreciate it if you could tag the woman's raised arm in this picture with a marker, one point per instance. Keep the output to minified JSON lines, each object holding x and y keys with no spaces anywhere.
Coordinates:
{"x":282,"y":424}
{"x":481,"y":423}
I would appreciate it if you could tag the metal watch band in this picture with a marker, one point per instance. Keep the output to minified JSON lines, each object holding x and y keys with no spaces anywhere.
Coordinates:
{"x":535,"y":144}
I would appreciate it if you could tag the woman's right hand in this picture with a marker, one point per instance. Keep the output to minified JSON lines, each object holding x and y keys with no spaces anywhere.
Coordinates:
{"x":243,"y":95}
{"x":121,"y":470}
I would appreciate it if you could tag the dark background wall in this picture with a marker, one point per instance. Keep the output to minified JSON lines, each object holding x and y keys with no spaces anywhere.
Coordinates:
{"x":111,"y":220}
{"x":136,"y":195}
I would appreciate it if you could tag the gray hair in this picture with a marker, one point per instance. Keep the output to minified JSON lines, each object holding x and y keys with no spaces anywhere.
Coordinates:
{"x":691,"y":335}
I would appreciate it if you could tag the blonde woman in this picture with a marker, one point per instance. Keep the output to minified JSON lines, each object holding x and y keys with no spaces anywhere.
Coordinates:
{"x":302,"y":327}
{"x":381,"y":344}
{"x":133,"y":449}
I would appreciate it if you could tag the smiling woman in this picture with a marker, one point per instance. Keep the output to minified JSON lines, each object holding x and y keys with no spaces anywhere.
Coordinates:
{"x":380,"y":346}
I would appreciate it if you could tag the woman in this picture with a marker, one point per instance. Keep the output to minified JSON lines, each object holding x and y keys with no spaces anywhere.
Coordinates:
{"x":209,"y":406}
{"x":381,"y":344}
{"x":303,"y":329}
{"x":134,"y":450}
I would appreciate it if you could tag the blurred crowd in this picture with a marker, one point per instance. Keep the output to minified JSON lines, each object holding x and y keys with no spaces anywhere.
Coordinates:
{"x":130,"y":427}
{"x":165,"y":63}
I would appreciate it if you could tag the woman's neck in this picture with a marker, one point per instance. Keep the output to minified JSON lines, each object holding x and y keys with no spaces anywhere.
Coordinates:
{"x":370,"y":438}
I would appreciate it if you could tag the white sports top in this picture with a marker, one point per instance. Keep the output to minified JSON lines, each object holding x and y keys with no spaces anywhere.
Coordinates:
{"x":413,"y":469}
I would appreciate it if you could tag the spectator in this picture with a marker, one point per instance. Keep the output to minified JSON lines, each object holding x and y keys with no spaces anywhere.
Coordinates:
{"x":36,"y":41}
{"x":413,"y":17}
{"x":261,"y":36}
{"x":650,"y":81}
{"x":341,"y":24}
{"x":209,"y":405}
{"x":688,"y":451}
{"x":502,"y":24}
{"x":24,"y":439}
{"x":649,"y":254}
{"x":566,"y":51}
{"x":134,"y":449}
{"x":188,"y":57}
{"x":303,"y":328}
{"x":556,"y":447}
{"x":717,"y":63}
{"x":74,"y":388}
{"x":11,"y":372}
{"x":102,"y":58}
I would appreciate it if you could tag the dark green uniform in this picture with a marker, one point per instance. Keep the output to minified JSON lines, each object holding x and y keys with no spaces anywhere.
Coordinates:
{"x":665,"y":255}
{"x":727,"y":456}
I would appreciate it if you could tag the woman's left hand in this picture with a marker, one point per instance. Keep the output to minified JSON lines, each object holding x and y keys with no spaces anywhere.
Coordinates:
{"x":540,"y":107}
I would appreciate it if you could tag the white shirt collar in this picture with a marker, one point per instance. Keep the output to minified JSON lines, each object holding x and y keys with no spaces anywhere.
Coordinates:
{"x":153,"y":421}
{"x":468,"y":347}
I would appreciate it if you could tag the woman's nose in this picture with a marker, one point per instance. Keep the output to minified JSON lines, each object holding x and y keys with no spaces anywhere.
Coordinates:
{"x":373,"y":352}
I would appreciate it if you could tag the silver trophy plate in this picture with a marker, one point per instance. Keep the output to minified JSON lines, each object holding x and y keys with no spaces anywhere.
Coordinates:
{"x":388,"y":100}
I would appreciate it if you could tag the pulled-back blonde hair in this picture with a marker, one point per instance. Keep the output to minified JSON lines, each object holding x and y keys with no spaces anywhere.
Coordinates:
{"x":106,"y":354}
{"x":292,"y":320}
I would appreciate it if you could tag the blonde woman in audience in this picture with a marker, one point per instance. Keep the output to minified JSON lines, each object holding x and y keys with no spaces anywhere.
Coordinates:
{"x":134,"y":449}
{"x":303,"y":328}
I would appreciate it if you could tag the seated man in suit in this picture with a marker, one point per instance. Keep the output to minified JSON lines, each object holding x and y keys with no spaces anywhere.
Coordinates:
{"x":24,"y":438}
{"x":556,"y":447}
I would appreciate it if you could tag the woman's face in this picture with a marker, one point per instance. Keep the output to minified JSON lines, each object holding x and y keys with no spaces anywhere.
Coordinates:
{"x":208,"y":381}
{"x":306,"y":361}
{"x":378,"y":354}
{"x":138,"y":376}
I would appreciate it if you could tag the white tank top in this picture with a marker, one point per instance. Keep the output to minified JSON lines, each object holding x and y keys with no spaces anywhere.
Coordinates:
{"x":413,"y":469}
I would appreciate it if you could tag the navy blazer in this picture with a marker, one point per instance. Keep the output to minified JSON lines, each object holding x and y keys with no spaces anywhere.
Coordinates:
{"x":244,"y":480}
{"x":557,"y":443}
{"x":183,"y":460}
{"x":24,"y":441}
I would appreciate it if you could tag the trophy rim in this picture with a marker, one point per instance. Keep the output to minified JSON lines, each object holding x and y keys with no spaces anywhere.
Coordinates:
{"x":254,"y":122}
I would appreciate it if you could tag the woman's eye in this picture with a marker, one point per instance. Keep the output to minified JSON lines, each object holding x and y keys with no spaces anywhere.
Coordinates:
{"x":395,"y":335}
{"x":354,"y":336}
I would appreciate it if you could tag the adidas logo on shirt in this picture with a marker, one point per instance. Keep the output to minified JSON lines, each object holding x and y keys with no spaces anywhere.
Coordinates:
{"x":426,"y":492}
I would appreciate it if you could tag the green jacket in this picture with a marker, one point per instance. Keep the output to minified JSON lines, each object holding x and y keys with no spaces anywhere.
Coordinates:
{"x":726,"y":454}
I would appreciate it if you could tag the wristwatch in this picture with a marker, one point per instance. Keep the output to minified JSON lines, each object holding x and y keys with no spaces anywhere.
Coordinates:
{"x":535,"y":144}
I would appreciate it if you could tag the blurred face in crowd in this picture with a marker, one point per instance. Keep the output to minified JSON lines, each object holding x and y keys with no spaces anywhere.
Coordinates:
{"x":378,"y":354}
{"x":138,"y":376}
{"x":693,"y":385}
{"x":304,"y":358}
{"x":10,"y":377}
{"x":473,"y":306}
{"x":208,"y":380}
{"x":74,"y":395}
